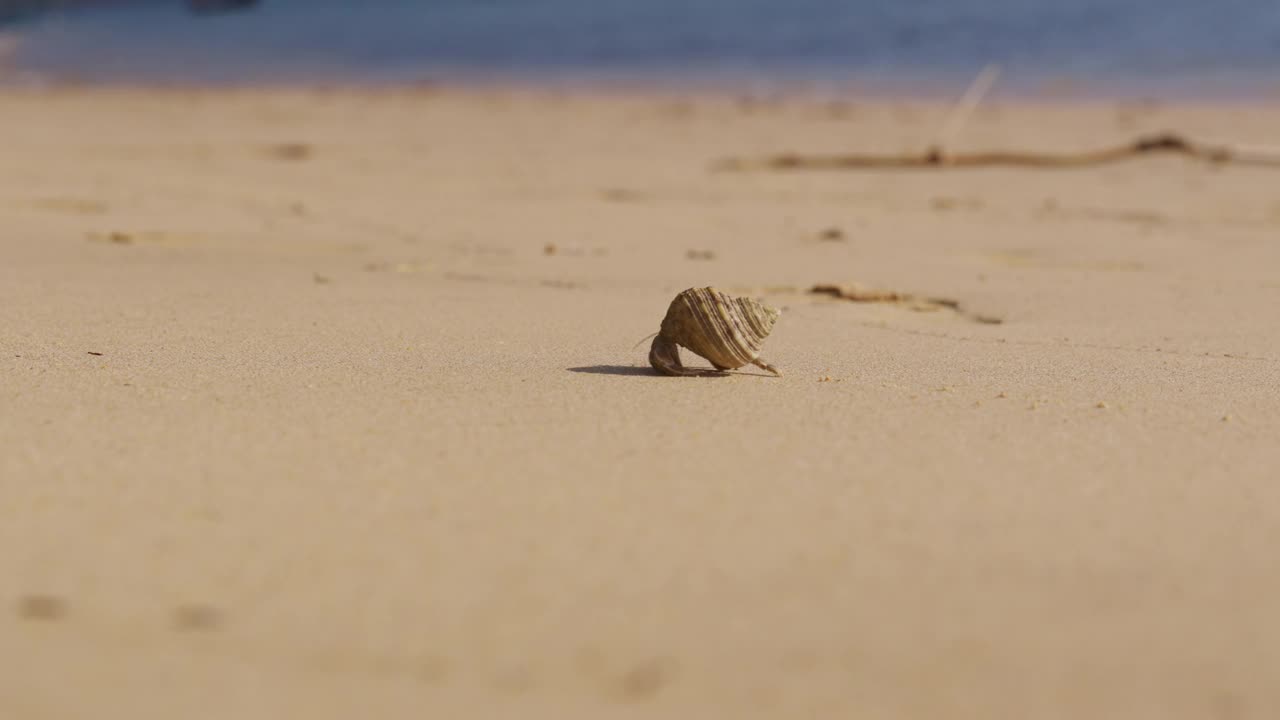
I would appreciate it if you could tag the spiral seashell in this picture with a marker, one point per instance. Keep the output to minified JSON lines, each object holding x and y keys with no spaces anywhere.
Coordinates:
{"x":725,"y":330}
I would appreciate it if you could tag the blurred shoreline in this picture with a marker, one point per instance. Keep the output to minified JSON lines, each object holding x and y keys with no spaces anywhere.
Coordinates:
{"x":1242,"y":89}
{"x":1123,"y":51}
{"x":1055,"y":91}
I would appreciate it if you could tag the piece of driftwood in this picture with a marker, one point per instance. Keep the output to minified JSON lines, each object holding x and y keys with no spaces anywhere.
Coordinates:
{"x":937,"y":158}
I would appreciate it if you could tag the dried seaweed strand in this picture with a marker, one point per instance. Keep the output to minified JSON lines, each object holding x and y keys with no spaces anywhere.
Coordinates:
{"x":856,"y":293}
{"x":937,"y":158}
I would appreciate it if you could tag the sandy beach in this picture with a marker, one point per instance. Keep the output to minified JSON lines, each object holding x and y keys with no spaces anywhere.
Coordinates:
{"x":328,"y":404}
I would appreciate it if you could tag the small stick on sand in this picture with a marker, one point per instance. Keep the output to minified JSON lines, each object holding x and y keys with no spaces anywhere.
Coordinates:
{"x":965,"y":106}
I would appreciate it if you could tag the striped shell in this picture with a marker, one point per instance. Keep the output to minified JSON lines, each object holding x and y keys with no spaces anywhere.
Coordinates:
{"x":726,"y":330}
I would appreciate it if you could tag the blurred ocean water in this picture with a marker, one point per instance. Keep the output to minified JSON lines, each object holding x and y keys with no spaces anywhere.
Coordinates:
{"x":1190,"y":47}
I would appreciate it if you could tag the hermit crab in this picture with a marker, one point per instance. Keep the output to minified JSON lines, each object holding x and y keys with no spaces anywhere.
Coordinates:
{"x":726,"y":330}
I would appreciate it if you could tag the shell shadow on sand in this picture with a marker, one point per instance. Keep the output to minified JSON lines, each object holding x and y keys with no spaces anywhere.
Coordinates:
{"x":638,"y":371}
{"x":614,"y":370}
